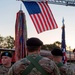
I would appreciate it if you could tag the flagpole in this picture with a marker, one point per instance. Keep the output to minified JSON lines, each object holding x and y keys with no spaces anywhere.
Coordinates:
{"x":63,"y":45}
{"x":20,"y":6}
{"x":63,"y":21}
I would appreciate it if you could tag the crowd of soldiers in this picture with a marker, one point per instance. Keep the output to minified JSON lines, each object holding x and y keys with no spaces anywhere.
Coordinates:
{"x":34,"y":63}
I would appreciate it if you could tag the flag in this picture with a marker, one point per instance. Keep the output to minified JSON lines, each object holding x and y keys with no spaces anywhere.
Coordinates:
{"x":41,"y":15}
{"x":20,"y":36}
{"x":63,"y":45}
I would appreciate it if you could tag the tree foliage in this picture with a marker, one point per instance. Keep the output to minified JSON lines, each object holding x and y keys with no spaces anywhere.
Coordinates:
{"x":9,"y":42}
{"x":6,"y":42}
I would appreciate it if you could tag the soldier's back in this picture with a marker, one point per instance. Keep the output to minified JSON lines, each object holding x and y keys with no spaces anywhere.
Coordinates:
{"x":65,"y":70}
{"x":48,"y":65}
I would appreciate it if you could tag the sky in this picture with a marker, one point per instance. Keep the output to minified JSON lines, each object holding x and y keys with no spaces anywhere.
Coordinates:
{"x":9,"y":8}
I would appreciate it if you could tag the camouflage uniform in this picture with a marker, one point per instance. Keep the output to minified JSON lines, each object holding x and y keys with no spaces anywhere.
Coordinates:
{"x":4,"y":70}
{"x":47,"y":64}
{"x":65,"y":69}
{"x":57,"y":58}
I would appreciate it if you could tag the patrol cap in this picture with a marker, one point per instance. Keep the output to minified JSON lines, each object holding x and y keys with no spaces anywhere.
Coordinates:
{"x":57,"y":52}
{"x":6,"y":54}
{"x":34,"y":42}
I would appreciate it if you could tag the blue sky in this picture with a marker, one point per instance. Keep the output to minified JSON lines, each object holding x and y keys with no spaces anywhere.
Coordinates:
{"x":9,"y":8}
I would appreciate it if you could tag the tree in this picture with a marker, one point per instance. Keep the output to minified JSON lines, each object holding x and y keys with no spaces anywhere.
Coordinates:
{"x":8,"y":42}
{"x":58,"y":43}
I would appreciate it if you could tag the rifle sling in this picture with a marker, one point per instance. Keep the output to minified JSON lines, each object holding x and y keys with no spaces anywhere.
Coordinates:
{"x":34,"y":63}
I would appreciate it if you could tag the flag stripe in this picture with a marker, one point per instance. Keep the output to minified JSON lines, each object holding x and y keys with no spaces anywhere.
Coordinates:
{"x":41,"y":22}
{"x":44,"y":16}
{"x":32,"y":18}
{"x":36,"y":22}
{"x":53,"y":25}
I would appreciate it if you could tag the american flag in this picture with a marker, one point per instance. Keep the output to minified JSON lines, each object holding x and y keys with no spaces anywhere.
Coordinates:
{"x":41,"y":15}
{"x":20,"y":36}
{"x":63,"y":45}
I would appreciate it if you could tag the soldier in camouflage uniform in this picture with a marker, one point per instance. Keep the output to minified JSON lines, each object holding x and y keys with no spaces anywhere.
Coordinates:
{"x":57,"y":58}
{"x":6,"y":59}
{"x":34,"y":64}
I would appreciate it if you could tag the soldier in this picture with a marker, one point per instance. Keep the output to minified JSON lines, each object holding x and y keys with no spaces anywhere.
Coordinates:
{"x":6,"y":59}
{"x":57,"y":58}
{"x":34,"y":64}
